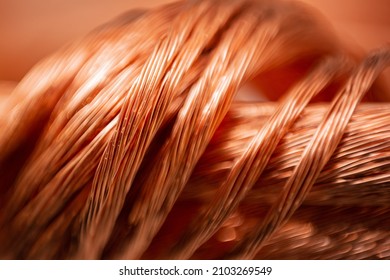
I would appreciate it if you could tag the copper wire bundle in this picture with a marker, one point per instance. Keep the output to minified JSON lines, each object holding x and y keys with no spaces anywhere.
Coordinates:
{"x":130,"y":143}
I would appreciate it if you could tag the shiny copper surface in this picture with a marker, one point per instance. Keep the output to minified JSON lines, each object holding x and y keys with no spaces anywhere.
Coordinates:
{"x":130,"y":143}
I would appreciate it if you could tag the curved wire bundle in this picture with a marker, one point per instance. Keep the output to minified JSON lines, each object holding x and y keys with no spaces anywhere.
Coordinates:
{"x":130,"y":143}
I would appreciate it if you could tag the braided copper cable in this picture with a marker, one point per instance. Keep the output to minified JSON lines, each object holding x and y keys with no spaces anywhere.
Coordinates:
{"x":130,"y":143}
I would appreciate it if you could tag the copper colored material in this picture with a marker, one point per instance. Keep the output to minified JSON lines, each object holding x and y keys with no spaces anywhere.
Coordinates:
{"x":130,"y":143}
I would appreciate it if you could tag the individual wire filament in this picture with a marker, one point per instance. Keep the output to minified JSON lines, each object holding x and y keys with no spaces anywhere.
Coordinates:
{"x":130,"y":143}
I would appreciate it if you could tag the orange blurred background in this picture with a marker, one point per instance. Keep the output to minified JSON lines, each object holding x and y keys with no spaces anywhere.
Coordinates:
{"x":31,"y":30}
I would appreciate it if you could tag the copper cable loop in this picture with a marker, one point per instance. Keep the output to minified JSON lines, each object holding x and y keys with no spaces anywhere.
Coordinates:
{"x":130,"y":143}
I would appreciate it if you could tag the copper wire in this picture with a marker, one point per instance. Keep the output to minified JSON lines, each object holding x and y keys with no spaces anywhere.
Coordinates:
{"x":130,"y":144}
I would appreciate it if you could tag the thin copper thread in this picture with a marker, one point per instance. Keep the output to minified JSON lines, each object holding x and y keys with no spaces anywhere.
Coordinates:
{"x":129,"y":144}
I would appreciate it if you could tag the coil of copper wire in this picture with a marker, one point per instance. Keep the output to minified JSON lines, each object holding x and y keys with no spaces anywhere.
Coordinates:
{"x":139,"y":141}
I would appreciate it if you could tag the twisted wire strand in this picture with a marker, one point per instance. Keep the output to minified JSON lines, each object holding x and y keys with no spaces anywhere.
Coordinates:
{"x":129,"y":143}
